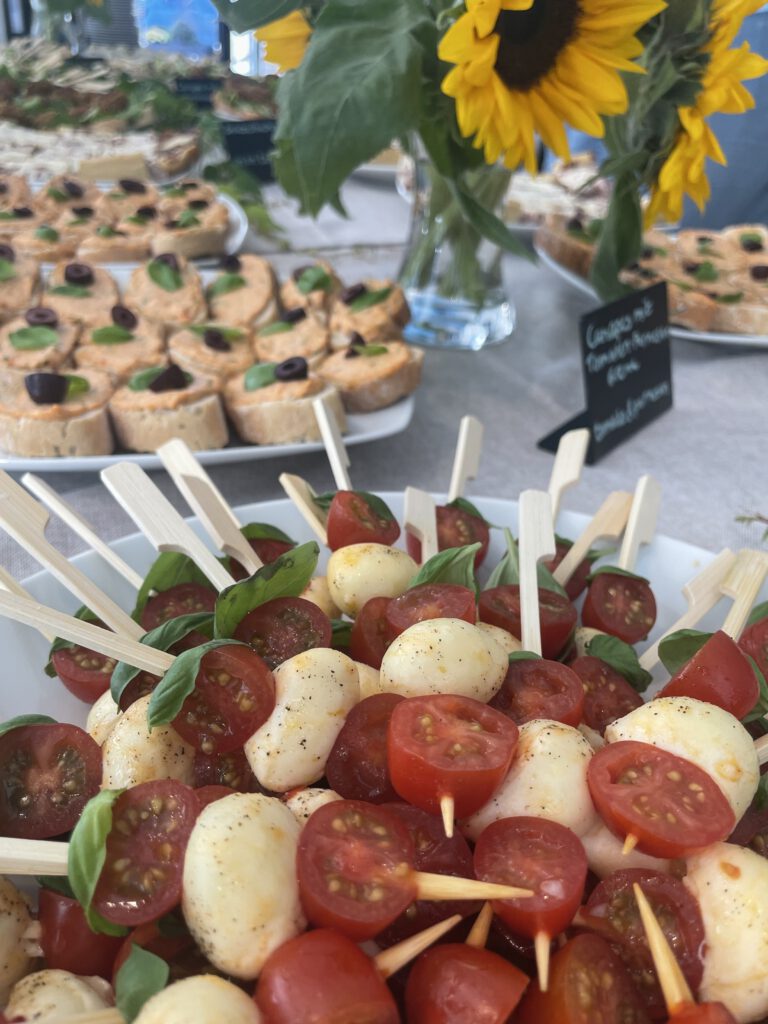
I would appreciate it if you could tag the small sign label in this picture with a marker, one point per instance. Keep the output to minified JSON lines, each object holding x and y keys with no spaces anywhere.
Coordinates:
{"x":627,"y":369}
{"x":249,"y":143}
{"x":199,"y":90}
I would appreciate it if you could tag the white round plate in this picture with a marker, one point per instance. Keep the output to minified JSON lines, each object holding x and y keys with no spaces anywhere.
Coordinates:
{"x":669,"y":564}
{"x":681,"y":333}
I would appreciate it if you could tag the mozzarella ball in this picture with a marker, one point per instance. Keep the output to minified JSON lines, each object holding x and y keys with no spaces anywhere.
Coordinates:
{"x":582,"y":637}
{"x":318,"y":593}
{"x":132,"y":754}
{"x":711,"y":738}
{"x":303,"y":803}
{"x":54,"y":994}
{"x":15,"y":920}
{"x":204,"y":999}
{"x":444,"y":656}
{"x":731,"y":886}
{"x":102,"y":717}
{"x":240,"y":894}
{"x":507,"y":640}
{"x":548,"y":779}
{"x":370,"y":680}
{"x":604,"y":854}
{"x":314,"y":692}
{"x":361,"y":571}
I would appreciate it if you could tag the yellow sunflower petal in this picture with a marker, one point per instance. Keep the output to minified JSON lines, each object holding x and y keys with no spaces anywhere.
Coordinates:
{"x":460,"y":42}
{"x":485,"y":14}
{"x":285,"y":40}
{"x":479,"y":70}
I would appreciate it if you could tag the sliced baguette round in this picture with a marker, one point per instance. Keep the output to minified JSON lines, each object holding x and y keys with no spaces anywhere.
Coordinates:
{"x":280,"y":413}
{"x":367,"y":383}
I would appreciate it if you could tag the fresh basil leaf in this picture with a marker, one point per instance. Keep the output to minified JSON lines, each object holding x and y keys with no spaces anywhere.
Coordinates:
{"x":507,"y":572}
{"x":259,"y":376}
{"x":73,"y":291}
{"x":56,"y":883}
{"x":759,"y":612}
{"x":706,"y":272}
{"x":83,"y":613}
{"x":105,"y":231}
{"x":341,"y":634}
{"x":730,"y":299}
{"x":453,"y":565}
{"x":760,"y":710}
{"x":87,"y":854}
{"x":370,"y":350}
{"x":7,"y":215}
{"x":57,"y":195}
{"x":78,"y":222}
{"x":168,"y":570}
{"x":523,"y":656}
{"x":615,"y":571}
{"x":76,"y":385}
{"x":265,"y":531}
{"x":751,"y":238}
{"x":314,"y":279}
{"x":287,"y":576}
{"x":278,"y":327}
{"x":7,"y":270}
{"x":140,"y":977}
{"x":466,"y":506}
{"x":378,"y":506}
{"x":623,"y":658}
{"x":164,"y":277}
{"x":21,"y":720}
{"x":31,"y":339}
{"x":162,"y":638}
{"x":368,"y":299}
{"x":187,"y":219}
{"x":323,"y":501}
{"x":137,"y":219}
{"x":111,"y":335}
{"x":141,"y":380}
{"x":679,"y":647}
{"x":224,"y":284}
{"x":174,"y":191}
{"x":228,"y":333}
{"x":46,"y":233}
{"x":179,"y":681}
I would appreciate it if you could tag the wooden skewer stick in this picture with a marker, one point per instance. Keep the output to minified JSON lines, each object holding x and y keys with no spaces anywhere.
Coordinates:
{"x":608,"y":523}
{"x":159,"y":521}
{"x":671,"y":978}
{"x":334,"y":446}
{"x":447,"y":810}
{"x":448,"y":887}
{"x":702,"y":594}
{"x":537,"y":541}
{"x":478,"y":936}
{"x":25,"y":520}
{"x":419,"y":519}
{"x":630,"y":842}
{"x":743,"y":584}
{"x":9,"y":584}
{"x":207,"y":502}
{"x":79,"y":525}
{"x":109,"y":1015}
{"x":642,"y":521}
{"x":33,"y":857}
{"x":541,"y":946}
{"x":391,"y":960}
{"x":569,"y":462}
{"x":466,"y":461}
{"x":761,"y":748}
{"x":302,"y":496}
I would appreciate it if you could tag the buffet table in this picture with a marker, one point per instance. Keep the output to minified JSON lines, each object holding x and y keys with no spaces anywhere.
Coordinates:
{"x":708,"y":453}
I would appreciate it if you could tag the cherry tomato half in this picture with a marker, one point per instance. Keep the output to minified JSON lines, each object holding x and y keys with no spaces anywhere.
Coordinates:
{"x":538,"y":688}
{"x":354,"y":868}
{"x":141,"y":877}
{"x":580,"y":991}
{"x":703,"y":1013}
{"x":284,"y":627}
{"x":358,"y":518}
{"x":85,"y":673}
{"x":612,"y":912}
{"x":456,"y":527}
{"x":719,"y":673}
{"x":535,"y":854}
{"x":429,"y":601}
{"x":671,"y":805}
{"x":234,"y":695}
{"x":500,"y":606}
{"x":623,"y":606}
{"x":357,"y":764}
{"x":183,"y":599}
{"x":754,"y":642}
{"x":231,"y":770}
{"x":322,"y":977}
{"x":752,"y":830}
{"x":607,"y":694}
{"x":444,"y":744}
{"x":577,"y":584}
{"x":457,"y":984}
{"x":266,"y":550}
{"x":66,"y":939}
{"x":49,"y":773}
{"x":369,"y":637}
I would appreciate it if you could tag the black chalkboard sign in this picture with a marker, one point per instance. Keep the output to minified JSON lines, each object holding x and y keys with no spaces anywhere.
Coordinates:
{"x":627,"y":370}
{"x":199,"y":90}
{"x":249,"y":143}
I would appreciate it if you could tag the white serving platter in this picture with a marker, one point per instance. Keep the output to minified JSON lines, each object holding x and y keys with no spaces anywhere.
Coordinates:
{"x":668,"y":563}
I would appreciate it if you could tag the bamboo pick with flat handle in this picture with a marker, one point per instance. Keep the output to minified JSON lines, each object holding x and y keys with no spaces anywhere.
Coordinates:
{"x":466,"y":461}
{"x":671,"y":978}
{"x":79,"y":525}
{"x":743,"y":584}
{"x":641,"y":525}
{"x":109,"y":1015}
{"x":9,"y":584}
{"x":702,"y":593}
{"x":334,"y":446}
{"x":33,"y":857}
{"x":569,"y":462}
{"x":608,"y":523}
{"x":536,"y":541}
{"x":419,"y":519}
{"x":25,"y":520}
{"x":159,"y":521}
{"x":207,"y":502}
{"x":302,"y":496}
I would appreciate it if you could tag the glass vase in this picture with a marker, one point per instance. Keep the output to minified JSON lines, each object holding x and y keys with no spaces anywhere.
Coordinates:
{"x":450,"y":273}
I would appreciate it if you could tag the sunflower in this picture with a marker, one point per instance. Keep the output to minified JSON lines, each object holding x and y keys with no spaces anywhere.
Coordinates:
{"x":684,"y":171}
{"x":530,"y":66}
{"x":286,"y":40}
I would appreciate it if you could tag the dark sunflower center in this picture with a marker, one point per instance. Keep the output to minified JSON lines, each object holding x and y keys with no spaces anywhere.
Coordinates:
{"x":531,"y":41}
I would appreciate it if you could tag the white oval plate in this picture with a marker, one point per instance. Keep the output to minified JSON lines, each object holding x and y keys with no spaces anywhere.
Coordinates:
{"x":668,"y":563}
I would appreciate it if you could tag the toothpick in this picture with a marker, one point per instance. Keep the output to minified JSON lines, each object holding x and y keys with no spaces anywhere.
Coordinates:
{"x":207,"y":502}
{"x":33,"y":857}
{"x":448,"y":887}
{"x":630,"y":842}
{"x":109,"y":1015}
{"x":569,"y":462}
{"x":79,"y":525}
{"x":671,"y":978}
{"x":159,"y":521}
{"x":743,"y":584}
{"x":334,"y":446}
{"x":642,"y":521}
{"x":541,"y":946}
{"x":608,"y":523}
{"x":478,"y":936}
{"x":761,"y":748}
{"x":466,"y":461}
{"x":447,"y":808}
{"x":9,"y":584}
{"x":391,"y":960}
{"x":419,"y":519}
{"x":537,"y":541}
{"x":302,"y":496}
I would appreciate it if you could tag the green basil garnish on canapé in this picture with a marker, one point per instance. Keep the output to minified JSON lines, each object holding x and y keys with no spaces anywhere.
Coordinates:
{"x":73,"y":291}
{"x":731,"y":299}
{"x":259,"y":376}
{"x":31,"y":339}
{"x":105,"y":231}
{"x":368,"y":299}
{"x":111,"y":335}
{"x":57,"y":195}
{"x":227,"y":333}
{"x":314,"y":279}
{"x":164,"y":277}
{"x":751,"y":238}
{"x":46,"y":233}
{"x":224,"y":284}
{"x":174,"y":192}
{"x":706,"y":272}
{"x":136,"y":218}
{"x":76,"y":385}
{"x":141,"y":380}
{"x":278,"y":327}
{"x":7,"y":270}
{"x":8,"y":215}
{"x":187,"y":219}
{"x":370,"y":350}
